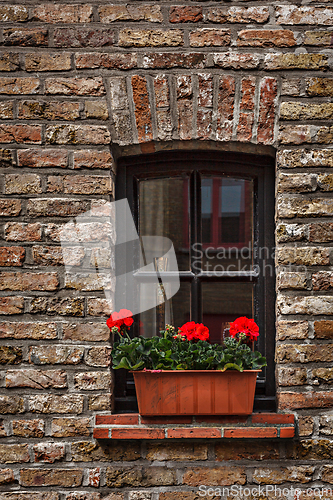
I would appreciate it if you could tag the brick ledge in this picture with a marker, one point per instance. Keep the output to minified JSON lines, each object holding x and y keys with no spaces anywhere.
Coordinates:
{"x":135,"y":426}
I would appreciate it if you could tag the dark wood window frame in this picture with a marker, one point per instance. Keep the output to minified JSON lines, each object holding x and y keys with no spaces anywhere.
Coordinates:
{"x":261,"y":169}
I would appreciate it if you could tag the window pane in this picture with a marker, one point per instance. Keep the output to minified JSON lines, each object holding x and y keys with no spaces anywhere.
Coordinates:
{"x":227,"y":223}
{"x":175,"y":311}
{"x":163,"y":208}
{"x":224,"y":302}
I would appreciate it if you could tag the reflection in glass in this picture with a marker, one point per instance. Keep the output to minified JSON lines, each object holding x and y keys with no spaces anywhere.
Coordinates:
{"x":227,"y":223}
{"x":223,"y":303}
{"x":176,"y":311}
{"x":163,"y":208}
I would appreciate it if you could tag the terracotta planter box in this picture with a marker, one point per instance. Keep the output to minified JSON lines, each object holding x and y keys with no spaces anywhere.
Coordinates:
{"x":195,"y":392}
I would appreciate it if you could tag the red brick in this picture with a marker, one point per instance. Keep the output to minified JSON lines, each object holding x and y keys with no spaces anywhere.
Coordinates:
{"x":205,"y":97}
{"x":48,"y":452}
{"x":172,"y":60}
{"x":246,"y":115}
{"x":50,"y":13}
{"x":19,"y":85}
{"x":77,"y":134}
{"x":185,"y":115}
{"x":25,"y":37}
{"x":272,"y":418}
{"x":140,"y":433}
{"x":287,"y":432}
{"x":267,"y":106}
{"x":251,"y":433}
{"x":48,"y":61}
{"x":142,"y":108}
{"x":209,"y":37}
{"x":11,"y":256}
{"x":40,"y":158}
{"x":194,"y":432}
{"x":266,"y":38}
{"x":21,"y":133}
{"x":11,"y":305}
{"x":69,"y":37}
{"x":297,"y":400}
{"x":204,"y":123}
{"x":185,"y":14}
{"x":28,"y":428}
{"x":101,"y":433}
{"x":121,"y":419}
{"x":9,"y":207}
{"x":94,"y":477}
{"x":75,"y":86}
{"x":226,"y":98}
{"x":105,"y":60}
{"x":19,"y":231}
{"x":93,"y":159}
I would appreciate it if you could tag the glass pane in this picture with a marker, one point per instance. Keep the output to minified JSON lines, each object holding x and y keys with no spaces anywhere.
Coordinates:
{"x":227,"y":224}
{"x":175,"y":311}
{"x":224,"y":302}
{"x":164,"y":211}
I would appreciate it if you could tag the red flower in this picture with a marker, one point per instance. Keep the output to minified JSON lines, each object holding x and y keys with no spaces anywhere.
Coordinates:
{"x":121,"y":320}
{"x":194,"y":331}
{"x":246,"y":326}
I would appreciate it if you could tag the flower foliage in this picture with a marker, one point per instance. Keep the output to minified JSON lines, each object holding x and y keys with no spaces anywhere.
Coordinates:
{"x":194,"y":331}
{"x":121,"y":321}
{"x":174,"y":350}
{"x":244,"y":328}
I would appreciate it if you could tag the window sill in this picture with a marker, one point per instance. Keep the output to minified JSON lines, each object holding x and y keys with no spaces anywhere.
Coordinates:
{"x":135,"y":426}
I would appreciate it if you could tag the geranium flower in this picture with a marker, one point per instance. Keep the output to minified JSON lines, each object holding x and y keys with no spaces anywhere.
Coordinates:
{"x":194,"y":331}
{"x":121,"y":320}
{"x":246,"y":326}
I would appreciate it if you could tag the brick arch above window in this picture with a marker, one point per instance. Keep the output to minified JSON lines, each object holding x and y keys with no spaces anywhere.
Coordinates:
{"x":204,"y":106}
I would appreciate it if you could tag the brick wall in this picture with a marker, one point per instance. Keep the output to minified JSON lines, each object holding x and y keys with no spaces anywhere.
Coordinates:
{"x":83,"y":84}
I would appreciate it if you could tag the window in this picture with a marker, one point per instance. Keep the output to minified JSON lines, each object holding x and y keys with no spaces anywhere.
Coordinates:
{"x":218,"y":211}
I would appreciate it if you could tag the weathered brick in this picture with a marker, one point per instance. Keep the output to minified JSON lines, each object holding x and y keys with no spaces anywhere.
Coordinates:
{"x":296,"y":183}
{"x":292,"y":330}
{"x":327,"y":474}
{"x":10,"y":355}
{"x":89,"y":451}
{"x":14,"y":453}
{"x":6,"y":476}
{"x":36,"y":379}
{"x":218,"y":476}
{"x":319,"y":87}
{"x":6,"y":113}
{"x":150,"y":38}
{"x":105,"y":60}
{"x":306,"y":305}
{"x":305,"y":425}
{"x":28,"y":428}
{"x":92,"y":381}
{"x":6,"y":159}
{"x":26,"y":37}
{"x":19,"y":85}
{"x":25,"y":496}
{"x":81,"y":495}
{"x":323,"y":329}
{"x":318,"y":38}
{"x":11,"y":305}
{"x":88,"y":184}
{"x":288,"y":376}
{"x":301,"y":474}
{"x":297,"y":400}
{"x":48,"y":452}
{"x":51,"y":477}
{"x":292,"y":232}
{"x":31,"y":134}
{"x":246,"y":107}
{"x":57,"y":256}
{"x":22,"y":184}
{"x":305,"y":158}
{"x":89,"y":282}
{"x":50,"y":13}
{"x":296,"y":61}
{"x":40,"y":158}
{"x":292,"y":207}
{"x":325,"y":425}
{"x":247,"y":450}
{"x":210,"y":37}
{"x":93,"y":159}
{"x":303,"y":353}
{"x":84,"y":332}
{"x":97,"y":110}
{"x":176,"y":451}
{"x":77,"y":134}
{"x":292,"y":14}
{"x":9,"y":61}
{"x":10,"y":207}
{"x":83,"y":232}
{"x":13,"y":13}
{"x":56,"y":207}
{"x":292,"y":281}
{"x":78,"y":37}
{"x":100,"y":402}
{"x":291,"y":86}
{"x":128,"y":476}
{"x":233,"y":60}
{"x":172,"y":60}
{"x":142,"y":108}
{"x":98,"y":356}
{"x":322,"y":376}
{"x":266,"y":38}
{"x":53,"y":354}
{"x":11,"y":256}
{"x":238,"y":15}
{"x":325,"y":182}
{"x":99,"y":307}
{"x":267,"y":106}
{"x":48,"y":62}
{"x":115,"y":13}
{"x":51,"y":403}
{"x":185,"y":14}
{"x":11,"y":404}
{"x":70,"y":427}
{"x":322,"y":280}
{"x":28,"y":281}
{"x":303,"y":111}
{"x":75,"y":86}
{"x":36,"y":331}
{"x":29,"y":110}
{"x":226,"y":98}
